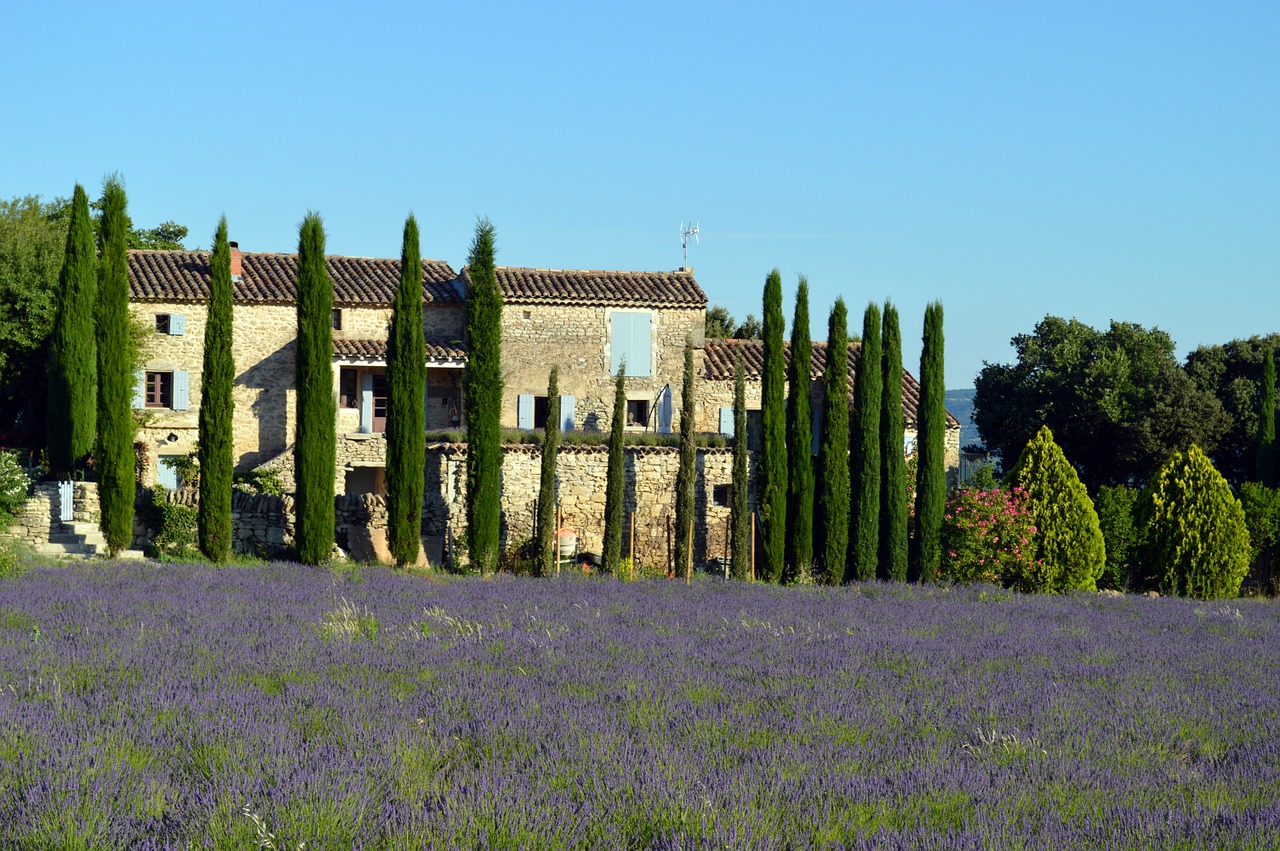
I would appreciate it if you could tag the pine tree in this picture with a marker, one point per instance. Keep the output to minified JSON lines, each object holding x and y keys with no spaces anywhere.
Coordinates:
{"x":1194,"y":530}
{"x":217,"y":376}
{"x":614,"y":482}
{"x":1267,"y":463}
{"x":116,"y":427}
{"x":831,"y":533}
{"x":1070,"y":549}
{"x":740,"y":517}
{"x":864,"y":453}
{"x":72,"y":417}
{"x":772,"y":495}
{"x":931,"y":444}
{"x":483,"y":384}
{"x":315,"y":448}
{"x":686,"y":473}
{"x":799,"y":546}
{"x":406,"y":406}
{"x":893,"y":469}
{"x":547,"y":545}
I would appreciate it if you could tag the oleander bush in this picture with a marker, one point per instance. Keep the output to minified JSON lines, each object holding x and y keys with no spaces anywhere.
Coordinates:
{"x":14,"y":486}
{"x":988,"y":536}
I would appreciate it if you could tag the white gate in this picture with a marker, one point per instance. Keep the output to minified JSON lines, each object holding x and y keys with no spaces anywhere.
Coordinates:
{"x":66,"y":502}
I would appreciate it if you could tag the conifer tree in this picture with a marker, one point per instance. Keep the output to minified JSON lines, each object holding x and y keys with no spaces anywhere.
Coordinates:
{"x":1194,"y":531}
{"x":1070,"y":549}
{"x":1267,"y":463}
{"x":483,"y":384}
{"x":406,"y":406}
{"x":864,"y":453}
{"x":72,"y":417}
{"x":893,"y":468}
{"x":614,"y":482}
{"x":686,"y":472}
{"x":931,"y":444}
{"x":315,"y":448}
{"x":217,"y":376}
{"x":772,"y":496}
{"x":831,"y":532}
{"x":740,"y":518}
{"x":547,"y":545}
{"x":799,"y":546}
{"x":116,"y":427}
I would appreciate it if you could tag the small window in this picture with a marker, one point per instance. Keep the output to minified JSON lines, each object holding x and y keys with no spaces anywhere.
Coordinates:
{"x":159,"y":393}
{"x":348,"y":387}
{"x":541,"y":408}
{"x":162,"y":323}
{"x":337,"y":319}
{"x":637,"y":412}
{"x":722,"y":494}
{"x":527,"y":315}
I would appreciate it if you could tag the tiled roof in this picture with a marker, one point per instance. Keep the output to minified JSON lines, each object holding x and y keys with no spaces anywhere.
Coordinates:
{"x":581,"y":287}
{"x":272,"y":278}
{"x":720,"y":354}
{"x":377,"y":349}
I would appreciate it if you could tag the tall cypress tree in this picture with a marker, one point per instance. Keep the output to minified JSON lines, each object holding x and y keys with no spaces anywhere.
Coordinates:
{"x":831,"y":532}
{"x":864,"y":453}
{"x":547,"y":545}
{"x":483,"y":384}
{"x":116,"y":482}
{"x":773,"y":465}
{"x":740,"y":518}
{"x":614,"y":482}
{"x":406,"y":405}
{"x":217,"y":376}
{"x":799,"y":547}
{"x":893,"y":467}
{"x":1267,"y":457}
{"x":686,"y":472}
{"x":315,"y":447}
{"x":931,"y":443}
{"x":72,"y":418}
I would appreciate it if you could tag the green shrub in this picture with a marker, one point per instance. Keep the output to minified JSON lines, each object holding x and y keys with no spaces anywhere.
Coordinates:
{"x":1261,"y":506}
{"x":260,"y":481}
{"x":1195,"y":539}
{"x":14,"y":485}
{"x":176,"y":526}
{"x":988,"y":536}
{"x":1115,"y":507}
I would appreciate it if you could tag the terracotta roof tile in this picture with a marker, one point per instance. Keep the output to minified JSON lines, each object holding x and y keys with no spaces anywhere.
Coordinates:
{"x":377,"y":349}
{"x":588,"y":287}
{"x":272,"y":278}
{"x":720,"y":355}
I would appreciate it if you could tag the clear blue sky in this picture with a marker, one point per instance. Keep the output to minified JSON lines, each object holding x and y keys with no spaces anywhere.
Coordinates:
{"x":1093,"y":159}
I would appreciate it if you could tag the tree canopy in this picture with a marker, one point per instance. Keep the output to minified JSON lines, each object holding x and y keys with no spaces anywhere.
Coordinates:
{"x":720,"y":325}
{"x":1233,"y":373}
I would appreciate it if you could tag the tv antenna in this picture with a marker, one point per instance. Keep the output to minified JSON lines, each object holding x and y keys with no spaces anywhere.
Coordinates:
{"x":686,"y":231}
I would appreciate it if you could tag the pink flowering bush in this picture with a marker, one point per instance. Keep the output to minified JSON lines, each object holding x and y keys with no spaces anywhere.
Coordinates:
{"x":988,"y":536}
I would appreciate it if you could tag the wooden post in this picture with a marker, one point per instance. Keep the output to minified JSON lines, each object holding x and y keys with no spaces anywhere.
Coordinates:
{"x":671,"y":569}
{"x":559,"y":524}
{"x":728,"y":531}
{"x":631,"y":549}
{"x":753,"y":546}
{"x":688,"y":566}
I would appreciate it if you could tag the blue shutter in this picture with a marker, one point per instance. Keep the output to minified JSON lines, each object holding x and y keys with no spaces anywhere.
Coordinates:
{"x":366,"y":403}
{"x":177,"y":324}
{"x":567,"y":405}
{"x":181,"y":390}
{"x":139,"y":389}
{"x":631,"y":335}
{"x":524,"y":410}
{"x":664,"y":410}
{"x":166,"y":475}
{"x":726,"y":421}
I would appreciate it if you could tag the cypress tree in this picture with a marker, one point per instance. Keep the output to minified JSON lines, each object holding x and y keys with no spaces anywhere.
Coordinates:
{"x":213,"y":518}
{"x":772,"y":497}
{"x":547,"y":545}
{"x":72,"y":418}
{"x":315,"y":448}
{"x":687,"y":471}
{"x":831,"y":533}
{"x":1267,"y":461}
{"x":799,"y":547}
{"x":483,"y":384}
{"x":740,"y":517}
{"x":893,"y":468}
{"x":613,"y":489}
{"x":864,"y":453}
{"x":116,"y":482}
{"x":931,"y":444}
{"x":406,"y":406}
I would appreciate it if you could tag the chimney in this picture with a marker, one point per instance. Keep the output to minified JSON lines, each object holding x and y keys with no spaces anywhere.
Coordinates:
{"x":235,"y":260}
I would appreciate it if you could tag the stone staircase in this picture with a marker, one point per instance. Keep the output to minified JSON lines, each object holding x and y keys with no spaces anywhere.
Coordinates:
{"x":81,"y":540}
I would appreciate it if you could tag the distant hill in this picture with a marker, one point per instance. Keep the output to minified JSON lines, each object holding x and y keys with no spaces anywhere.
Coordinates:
{"x":960,"y":404}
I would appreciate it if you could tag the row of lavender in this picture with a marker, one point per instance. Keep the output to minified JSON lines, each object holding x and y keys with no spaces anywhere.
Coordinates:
{"x":170,"y":706}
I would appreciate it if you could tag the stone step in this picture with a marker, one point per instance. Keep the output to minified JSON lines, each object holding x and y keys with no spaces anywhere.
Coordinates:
{"x":64,"y":550}
{"x":86,"y":529}
{"x":72,"y":538}
{"x":130,"y":555}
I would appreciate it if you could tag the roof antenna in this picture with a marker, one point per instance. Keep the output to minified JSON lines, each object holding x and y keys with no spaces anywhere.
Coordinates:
{"x":686,"y":231}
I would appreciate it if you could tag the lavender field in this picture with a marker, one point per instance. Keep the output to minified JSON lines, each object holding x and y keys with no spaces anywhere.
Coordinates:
{"x":166,"y":706}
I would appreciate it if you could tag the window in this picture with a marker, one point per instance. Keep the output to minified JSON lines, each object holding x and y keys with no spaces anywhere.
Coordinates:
{"x":533,"y":411}
{"x":637,"y":412}
{"x":161,"y":389}
{"x":348,"y":387}
{"x":173,"y":324}
{"x":337,"y":319}
{"x":541,"y":407}
{"x":162,"y":323}
{"x":755,"y":431}
{"x":722,"y":494}
{"x":630,"y":338}
{"x":159,"y":393}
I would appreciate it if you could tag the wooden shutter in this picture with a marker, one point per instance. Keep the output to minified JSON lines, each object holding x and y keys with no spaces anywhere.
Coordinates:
{"x":366,"y":403}
{"x":166,"y":475}
{"x":664,"y":410}
{"x":139,"y":389}
{"x":524,"y":410}
{"x":177,"y":324}
{"x":567,"y":406}
{"x":181,"y":390}
{"x":630,"y":342}
{"x":726,"y":422}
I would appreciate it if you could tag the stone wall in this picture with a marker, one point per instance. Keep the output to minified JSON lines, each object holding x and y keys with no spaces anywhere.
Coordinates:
{"x":38,"y":518}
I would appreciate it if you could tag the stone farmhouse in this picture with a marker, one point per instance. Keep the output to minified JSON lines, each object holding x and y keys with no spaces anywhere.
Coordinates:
{"x":587,"y":322}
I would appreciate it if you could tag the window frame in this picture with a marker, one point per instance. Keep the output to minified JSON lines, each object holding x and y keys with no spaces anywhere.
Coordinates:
{"x":158,"y":389}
